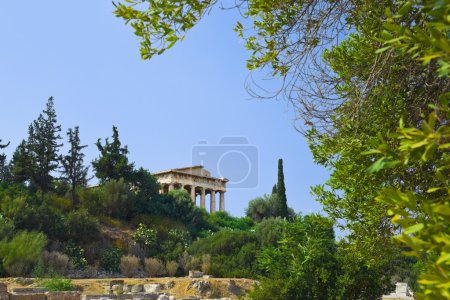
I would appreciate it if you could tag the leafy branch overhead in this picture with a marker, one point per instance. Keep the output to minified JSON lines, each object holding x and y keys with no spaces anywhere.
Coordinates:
{"x":161,"y":23}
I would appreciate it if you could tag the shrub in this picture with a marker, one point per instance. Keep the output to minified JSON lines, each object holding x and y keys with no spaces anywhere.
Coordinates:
{"x":81,"y":227}
{"x":144,"y":236}
{"x":117,"y":198}
{"x":233,"y":253}
{"x":171,"y":267}
{"x":110,"y":259}
{"x":91,"y":271}
{"x":58,"y":285}
{"x":22,"y":253}
{"x":269,"y":231}
{"x":184,"y":261}
{"x":206,"y":263}
{"x":153,"y":267}
{"x":194,"y":263}
{"x":55,"y":262}
{"x":76,"y":255}
{"x":129,"y":265}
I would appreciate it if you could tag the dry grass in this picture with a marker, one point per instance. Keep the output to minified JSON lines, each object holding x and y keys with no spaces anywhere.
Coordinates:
{"x":95,"y":286}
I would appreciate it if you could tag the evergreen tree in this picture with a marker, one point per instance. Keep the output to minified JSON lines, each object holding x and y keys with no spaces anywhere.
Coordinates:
{"x":20,"y":165}
{"x":281,"y":208}
{"x":43,"y":136}
{"x":4,"y":169}
{"x":74,"y":171}
{"x":113,"y":161}
{"x":274,"y":189}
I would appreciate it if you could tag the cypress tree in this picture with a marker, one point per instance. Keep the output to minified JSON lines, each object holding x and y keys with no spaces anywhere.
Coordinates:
{"x":74,"y":171}
{"x":113,"y":161}
{"x":274,"y":189}
{"x":281,"y":208}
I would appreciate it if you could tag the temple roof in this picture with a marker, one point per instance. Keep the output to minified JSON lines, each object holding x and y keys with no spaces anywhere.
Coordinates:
{"x":198,"y":171}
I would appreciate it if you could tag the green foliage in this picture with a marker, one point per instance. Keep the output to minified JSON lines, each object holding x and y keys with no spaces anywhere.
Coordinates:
{"x":43,"y":145}
{"x":110,"y":259}
{"x":6,"y":227}
{"x":423,"y":215}
{"x":81,"y":227}
{"x":57,"y":285}
{"x":304,"y":263}
{"x":422,"y":212}
{"x":261,"y":208}
{"x":144,"y":236}
{"x":117,"y":199}
{"x":5,"y":175}
{"x":233,"y":253}
{"x":156,"y":26}
{"x":113,"y":161}
{"x":74,"y":171}
{"x":22,"y":252}
{"x":269,"y":231}
{"x":175,"y":245}
{"x":222,"y":220}
{"x":76,"y":255}
{"x":280,"y":208}
{"x":426,"y":43}
{"x":20,"y":163}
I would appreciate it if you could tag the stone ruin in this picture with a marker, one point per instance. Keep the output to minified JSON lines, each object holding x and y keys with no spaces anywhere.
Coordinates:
{"x":401,"y":292}
{"x":114,"y":290}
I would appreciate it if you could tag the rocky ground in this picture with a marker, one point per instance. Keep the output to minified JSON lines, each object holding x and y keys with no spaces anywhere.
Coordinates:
{"x":180,"y":287}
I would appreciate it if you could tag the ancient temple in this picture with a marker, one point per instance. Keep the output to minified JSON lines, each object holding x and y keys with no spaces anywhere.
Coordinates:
{"x":197,"y":181}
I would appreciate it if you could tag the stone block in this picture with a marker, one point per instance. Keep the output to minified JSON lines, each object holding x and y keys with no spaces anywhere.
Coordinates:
{"x":28,"y":290}
{"x":31,"y":296}
{"x":195,"y":274}
{"x":4,"y":296}
{"x":63,"y":295}
{"x":137,"y":288}
{"x":152,"y":288}
{"x":117,"y":289}
{"x":146,"y":296}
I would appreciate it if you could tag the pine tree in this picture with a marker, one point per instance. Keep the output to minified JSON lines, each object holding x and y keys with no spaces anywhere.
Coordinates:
{"x":43,"y":145}
{"x":4,"y":169}
{"x":74,"y":171}
{"x":113,"y":161}
{"x":21,"y":164}
{"x":281,"y":208}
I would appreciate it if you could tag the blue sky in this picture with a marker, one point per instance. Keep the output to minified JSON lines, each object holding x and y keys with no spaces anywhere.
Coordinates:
{"x":89,"y":61}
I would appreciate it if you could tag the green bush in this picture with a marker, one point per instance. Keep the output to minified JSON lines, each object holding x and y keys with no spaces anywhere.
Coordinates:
{"x":222,"y":220}
{"x":110,"y":259}
{"x":144,"y":236}
{"x":233,"y":253}
{"x":76,"y":255}
{"x":58,"y":285}
{"x":20,"y":254}
{"x":176,"y":243}
{"x":269,"y":231}
{"x":81,"y":227}
{"x":303,"y":263}
{"x":117,"y":198}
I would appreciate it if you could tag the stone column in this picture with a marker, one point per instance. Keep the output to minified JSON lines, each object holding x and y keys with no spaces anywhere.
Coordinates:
{"x":193,"y":194}
{"x":212,"y":205}
{"x":222,"y":201}
{"x":171,"y":186}
{"x":202,"y":198}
